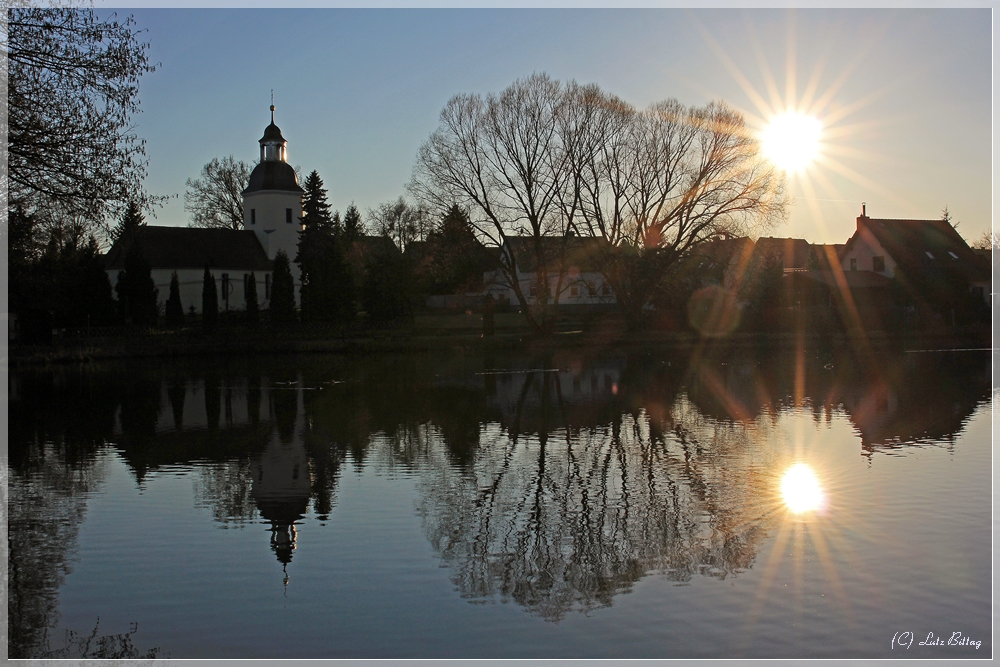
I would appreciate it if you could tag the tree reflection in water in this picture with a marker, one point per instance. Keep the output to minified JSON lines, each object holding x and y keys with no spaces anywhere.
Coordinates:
{"x":556,"y":482}
{"x":566,"y":518}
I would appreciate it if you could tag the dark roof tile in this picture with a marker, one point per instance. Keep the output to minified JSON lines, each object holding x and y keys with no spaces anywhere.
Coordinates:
{"x":189,"y":247}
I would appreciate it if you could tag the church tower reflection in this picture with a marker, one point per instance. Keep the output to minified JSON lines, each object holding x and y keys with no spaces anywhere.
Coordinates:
{"x":281,"y":473}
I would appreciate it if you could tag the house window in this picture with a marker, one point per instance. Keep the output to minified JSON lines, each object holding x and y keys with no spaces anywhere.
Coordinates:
{"x":288,"y":215}
{"x":574,"y":291}
{"x":253,"y":216}
{"x":267,"y":285}
{"x":606,"y":289}
{"x":533,"y":291}
{"x":878,"y":263}
{"x":854,"y":264}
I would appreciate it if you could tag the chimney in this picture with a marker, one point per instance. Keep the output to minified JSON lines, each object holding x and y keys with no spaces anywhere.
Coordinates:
{"x":863,"y":214}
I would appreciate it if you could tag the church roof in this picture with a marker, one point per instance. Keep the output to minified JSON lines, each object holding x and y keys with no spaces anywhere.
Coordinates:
{"x":189,"y":247}
{"x":272,"y":133}
{"x":273,"y":175}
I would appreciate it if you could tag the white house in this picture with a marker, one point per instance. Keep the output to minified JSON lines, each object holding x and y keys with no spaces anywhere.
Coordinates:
{"x":929,"y":249}
{"x":272,"y":211}
{"x":571,"y":270}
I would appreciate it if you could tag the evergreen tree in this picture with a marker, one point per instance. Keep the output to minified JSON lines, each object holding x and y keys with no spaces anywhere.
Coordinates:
{"x":209,"y":303}
{"x":315,"y":209}
{"x":253,"y":310}
{"x":282,"y":290}
{"x":327,"y":292}
{"x":136,"y":291}
{"x":387,"y":286}
{"x":175,"y":311}
{"x":352,"y":224}
{"x":455,"y":256}
{"x":132,"y":219}
{"x":96,"y":305}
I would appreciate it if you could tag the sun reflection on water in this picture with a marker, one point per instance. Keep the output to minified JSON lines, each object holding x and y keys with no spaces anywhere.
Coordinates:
{"x":801,"y":490}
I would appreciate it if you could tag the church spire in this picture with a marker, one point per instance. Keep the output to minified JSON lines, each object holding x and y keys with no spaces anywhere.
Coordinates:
{"x":272,"y":144}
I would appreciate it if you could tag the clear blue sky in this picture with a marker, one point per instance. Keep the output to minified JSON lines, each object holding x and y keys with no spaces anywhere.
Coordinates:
{"x":907,"y":108}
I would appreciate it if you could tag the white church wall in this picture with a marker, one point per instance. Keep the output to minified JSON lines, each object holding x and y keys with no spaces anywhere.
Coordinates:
{"x":191,"y":281}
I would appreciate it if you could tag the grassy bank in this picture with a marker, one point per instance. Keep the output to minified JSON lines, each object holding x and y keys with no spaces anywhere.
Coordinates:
{"x":436,"y":332}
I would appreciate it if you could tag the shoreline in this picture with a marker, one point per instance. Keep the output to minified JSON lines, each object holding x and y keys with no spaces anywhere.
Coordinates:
{"x":234,"y":342}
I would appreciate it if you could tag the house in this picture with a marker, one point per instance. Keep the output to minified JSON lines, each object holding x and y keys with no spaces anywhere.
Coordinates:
{"x":272,"y":212}
{"x":572,"y":265}
{"x":927,"y":257}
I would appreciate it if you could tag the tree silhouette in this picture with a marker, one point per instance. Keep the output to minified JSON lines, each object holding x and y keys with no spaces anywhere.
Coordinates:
{"x":73,"y":84}
{"x":253,"y":310}
{"x":216,"y":199}
{"x":327,"y":291}
{"x":209,"y":303}
{"x":282,"y":307}
{"x":174,"y":309}
{"x":137,"y":291}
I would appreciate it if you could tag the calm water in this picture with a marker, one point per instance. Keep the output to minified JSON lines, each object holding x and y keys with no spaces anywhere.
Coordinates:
{"x":631,"y":504}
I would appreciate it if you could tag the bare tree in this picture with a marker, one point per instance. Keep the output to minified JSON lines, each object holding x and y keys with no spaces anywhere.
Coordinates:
{"x":500,"y":159}
{"x":988,"y":240}
{"x":401,"y":221}
{"x":216,"y":199}
{"x":655,"y":184}
{"x":545,"y":159}
{"x":72,"y":93}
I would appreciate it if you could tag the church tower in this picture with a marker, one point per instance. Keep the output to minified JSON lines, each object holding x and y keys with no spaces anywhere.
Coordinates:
{"x":272,"y":202}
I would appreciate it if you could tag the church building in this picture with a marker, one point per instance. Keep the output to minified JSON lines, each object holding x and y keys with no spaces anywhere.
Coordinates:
{"x":272,"y":211}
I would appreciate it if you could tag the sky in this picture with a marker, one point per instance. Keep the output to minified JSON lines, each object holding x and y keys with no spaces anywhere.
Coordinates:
{"x":903,"y":95}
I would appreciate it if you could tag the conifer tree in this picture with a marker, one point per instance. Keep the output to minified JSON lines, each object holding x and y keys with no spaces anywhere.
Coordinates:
{"x":174,"y":309}
{"x":132,"y":219}
{"x":253,"y":310}
{"x":327,"y":292}
{"x":209,"y":303}
{"x":282,"y":290}
{"x":352,"y":224}
{"x":137,"y":291}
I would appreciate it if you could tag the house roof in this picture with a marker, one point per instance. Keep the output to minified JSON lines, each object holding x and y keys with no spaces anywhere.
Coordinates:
{"x":920,"y":247}
{"x":794,"y":253}
{"x":581,"y":253}
{"x":189,"y":247}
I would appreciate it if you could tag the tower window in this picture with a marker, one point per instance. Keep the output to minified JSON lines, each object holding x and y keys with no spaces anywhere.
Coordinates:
{"x":288,"y":215}
{"x":878,"y":263}
{"x":253,"y":216}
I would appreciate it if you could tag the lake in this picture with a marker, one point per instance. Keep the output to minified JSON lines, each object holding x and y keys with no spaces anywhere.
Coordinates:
{"x":802,"y":503}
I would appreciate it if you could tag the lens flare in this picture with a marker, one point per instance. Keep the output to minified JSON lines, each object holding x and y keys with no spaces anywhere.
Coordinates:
{"x":800,"y":489}
{"x":791,"y":140}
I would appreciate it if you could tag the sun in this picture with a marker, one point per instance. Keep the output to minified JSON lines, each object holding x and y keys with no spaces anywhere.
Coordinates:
{"x":800,"y":489}
{"x":791,"y":140}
